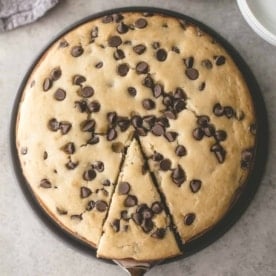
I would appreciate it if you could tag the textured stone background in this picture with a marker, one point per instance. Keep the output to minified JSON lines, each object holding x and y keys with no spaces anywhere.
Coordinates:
{"x":29,"y":247}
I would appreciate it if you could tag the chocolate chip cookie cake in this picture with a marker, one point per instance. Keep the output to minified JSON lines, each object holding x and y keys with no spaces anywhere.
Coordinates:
{"x":135,"y":132}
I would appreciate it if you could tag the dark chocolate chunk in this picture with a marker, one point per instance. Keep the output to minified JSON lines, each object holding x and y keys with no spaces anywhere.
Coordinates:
{"x":148,"y":104}
{"x":202,"y":86}
{"x":60,"y":94}
{"x":192,"y":73}
{"x":87,"y":92}
{"x":158,"y":130}
{"x":180,"y":151}
{"x":139,"y":49}
{"x":209,"y":130}
{"x":77,"y":51}
{"x":229,"y":112}
{"x":122,"y":28}
{"x":123,"y":188}
{"x":203,"y":120}
{"x":171,"y":135}
{"x":198,"y":133}
{"x":195,"y":185}
{"x":115,"y":225}
{"x":47,"y":84}
{"x":93,"y":140}
{"x":24,"y":150}
{"x":78,"y":79}
{"x":219,"y":60}
{"x":123,"y":69}
{"x":107,"y":19}
{"x":89,"y":174}
{"x":178,"y":176}
{"x":53,"y":124}
{"x":45,"y":183}
{"x":137,"y":218}
{"x":148,"y":82}
{"x":124,"y":215}
{"x":119,"y":54}
{"x":156,"y":207}
{"x":189,"y":218}
{"x":161,"y":54}
{"x":219,"y":152}
{"x":207,"y":64}
{"x":90,"y":205}
{"x":189,"y":62}
{"x":140,"y":23}
{"x":111,"y":134}
{"x":70,"y":165}
{"x":220,"y":135}
{"x":88,"y":125}
{"x":101,"y":205}
{"x":61,"y":211}
{"x":131,"y":91}
{"x":45,"y":155}
{"x":218,"y":110}
{"x":142,"y":67}
{"x":94,"y":106}
{"x":85,"y":192}
{"x":175,"y":49}
{"x":147,"y":225}
{"x":137,"y":121}
{"x":76,"y":217}
{"x":114,"y":41}
{"x":165,"y":164}
{"x":69,"y":148}
{"x":159,"y":233}
{"x":157,"y":90}
{"x":98,"y":166}
{"x":112,"y":118}
{"x":130,"y":201}
{"x":55,"y":74}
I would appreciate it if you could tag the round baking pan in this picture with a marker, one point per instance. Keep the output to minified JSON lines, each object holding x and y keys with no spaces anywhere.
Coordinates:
{"x":242,"y":200}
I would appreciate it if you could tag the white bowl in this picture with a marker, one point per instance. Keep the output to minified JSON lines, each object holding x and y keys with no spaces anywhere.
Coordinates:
{"x":261,"y":16}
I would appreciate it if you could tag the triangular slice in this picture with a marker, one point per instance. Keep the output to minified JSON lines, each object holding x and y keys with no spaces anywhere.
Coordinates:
{"x":137,"y":226}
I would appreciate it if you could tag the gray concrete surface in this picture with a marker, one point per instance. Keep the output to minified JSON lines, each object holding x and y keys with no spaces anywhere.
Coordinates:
{"x":28,"y":247}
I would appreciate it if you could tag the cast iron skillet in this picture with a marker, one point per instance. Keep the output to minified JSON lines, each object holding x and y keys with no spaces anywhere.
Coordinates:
{"x":249,"y":189}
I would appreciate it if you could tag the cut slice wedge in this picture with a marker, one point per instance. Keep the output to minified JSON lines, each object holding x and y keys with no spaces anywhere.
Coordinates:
{"x":137,"y":226}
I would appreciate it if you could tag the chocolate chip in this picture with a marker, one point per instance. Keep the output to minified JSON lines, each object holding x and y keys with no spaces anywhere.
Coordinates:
{"x":167,"y":100}
{"x":61,"y":211}
{"x":140,"y":23}
{"x":139,"y":49}
{"x":192,"y":73}
{"x":253,"y":129}
{"x":142,"y":67}
{"x":63,"y":43}
{"x":124,"y":215}
{"x":141,"y":131}
{"x":88,"y":125}
{"x":98,"y":166}
{"x":94,"y":106}
{"x":55,"y":74}
{"x":94,"y":32}
{"x":180,"y":151}
{"x":118,"y":17}
{"x":229,"y":112}
{"x":179,"y":94}
{"x":53,"y":124}
{"x":165,"y":164}
{"x":76,"y":217}
{"x":137,"y":218}
{"x":114,"y":41}
{"x":202,"y":86}
{"x":198,"y":133}
{"x":76,"y":51}
{"x":130,"y":201}
{"x":45,"y":183}
{"x":123,"y":69}
{"x":90,"y":205}
{"x":158,"y":130}
{"x":219,"y":60}
{"x":117,"y":147}
{"x":60,"y":94}
{"x":70,"y":165}
{"x":147,"y":225}
{"x":86,"y":92}
{"x":131,"y":91}
{"x":189,"y":62}
{"x":155,"y":45}
{"x":137,"y":121}
{"x":175,"y":49}
{"x":107,"y":19}
{"x":147,"y":213}
{"x":179,"y":105}
{"x":195,"y":185}
{"x":78,"y":79}
{"x":159,"y":233}
{"x":123,"y":123}
{"x":111,"y":134}
{"x":161,"y":55}
{"x":149,"y":121}
{"x":171,"y":135}
{"x":115,"y":225}
{"x":112,"y":118}
{"x":247,"y":155}
{"x":209,"y":130}
{"x":170,"y":114}
{"x":99,"y":65}
{"x":207,"y":64}
{"x":123,"y":188}
{"x":220,"y":135}
{"x":122,"y":28}
{"x":93,"y":140}
{"x":219,"y":152}
{"x":148,"y":104}
{"x":89,"y":175}
{"x":189,"y":218}
{"x":157,"y":90}
{"x":69,"y":148}
{"x":148,"y":82}
{"x":81,"y":106}
{"x":178,"y":176}
{"x":119,"y":54}
{"x":218,"y":110}
{"x":101,"y":205}
{"x":156,"y":207}
{"x":157,"y":156}
{"x":24,"y":150}
{"x":85,"y":192}
{"x":45,"y":155}
{"x":106,"y":182}
{"x":203,"y":120}
{"x":47,"y":84}
{"x":141,"y":207}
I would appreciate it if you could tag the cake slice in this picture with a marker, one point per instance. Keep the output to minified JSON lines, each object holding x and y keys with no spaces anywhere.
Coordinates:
{"x":137,"y":226}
